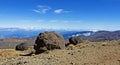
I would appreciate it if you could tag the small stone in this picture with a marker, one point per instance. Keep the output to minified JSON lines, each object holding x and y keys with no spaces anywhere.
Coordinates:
{"x":72,"y":63}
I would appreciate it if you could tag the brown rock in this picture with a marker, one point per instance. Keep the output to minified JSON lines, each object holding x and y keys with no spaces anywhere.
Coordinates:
{"x":22,"y":46}
{"x":48,"y":41}
{"x":75,"y":40}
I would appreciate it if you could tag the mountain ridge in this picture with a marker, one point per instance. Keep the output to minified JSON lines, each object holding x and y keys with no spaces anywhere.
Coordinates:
{"x":100,"y":35}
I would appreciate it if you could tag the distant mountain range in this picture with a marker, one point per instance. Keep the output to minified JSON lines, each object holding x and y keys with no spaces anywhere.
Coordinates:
{"x":23,"y":33}
{"x":17,"y":33}
{"x":102,"y":36}
{"x":98,"y":35}
{"x":85,"y":35}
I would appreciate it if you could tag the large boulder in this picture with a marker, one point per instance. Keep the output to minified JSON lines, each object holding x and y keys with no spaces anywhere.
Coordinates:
{"x":48,"y":41}
{"x":22,"y":46}
{"x":75,"y":40}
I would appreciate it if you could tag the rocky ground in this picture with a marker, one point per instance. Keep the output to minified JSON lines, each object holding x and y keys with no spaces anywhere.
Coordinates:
{"x":88,"y":53}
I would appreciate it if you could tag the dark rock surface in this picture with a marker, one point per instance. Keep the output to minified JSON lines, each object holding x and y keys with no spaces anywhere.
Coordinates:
{"x":48,"y":41}
{"x":75,"y":40}
{"x":22,"y":47}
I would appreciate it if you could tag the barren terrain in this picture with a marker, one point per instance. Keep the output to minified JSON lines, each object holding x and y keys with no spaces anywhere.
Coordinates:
{"x":88,"y":53}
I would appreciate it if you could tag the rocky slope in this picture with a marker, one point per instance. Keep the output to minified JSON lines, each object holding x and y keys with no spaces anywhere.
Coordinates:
{"x":87,"y":53}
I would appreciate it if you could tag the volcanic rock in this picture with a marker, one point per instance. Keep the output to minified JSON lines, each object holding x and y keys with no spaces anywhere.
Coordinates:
{"x":75,"y":40}
{"x":22,"y":47}
{"x":48,"y":41}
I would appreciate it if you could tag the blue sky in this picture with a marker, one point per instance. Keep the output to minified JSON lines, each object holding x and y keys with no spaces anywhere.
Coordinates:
{"x":61,"y":14}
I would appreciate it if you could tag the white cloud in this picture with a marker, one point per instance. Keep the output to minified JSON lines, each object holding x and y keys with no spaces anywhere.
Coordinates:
{"x":42,"y":9}
{"x":58,"y":11}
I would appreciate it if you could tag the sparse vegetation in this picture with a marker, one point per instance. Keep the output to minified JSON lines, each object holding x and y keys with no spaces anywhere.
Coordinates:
{"x":6,"y":54}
